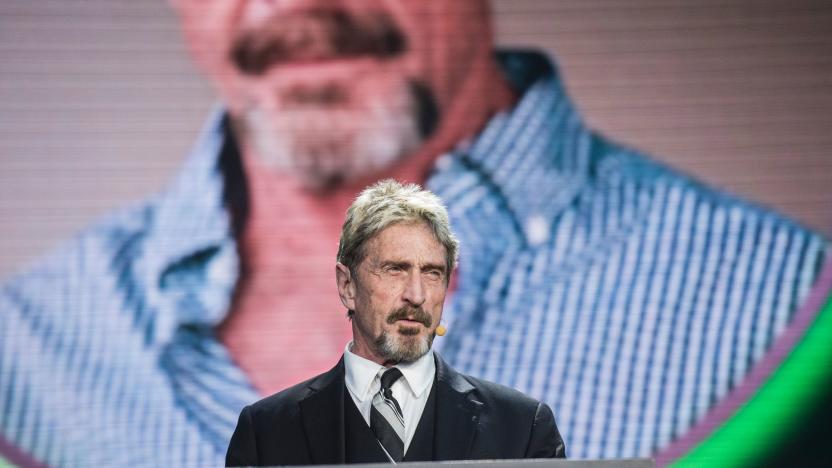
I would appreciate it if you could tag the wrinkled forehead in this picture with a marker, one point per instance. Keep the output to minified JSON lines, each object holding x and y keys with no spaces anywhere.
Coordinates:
{"x":402,"y":239}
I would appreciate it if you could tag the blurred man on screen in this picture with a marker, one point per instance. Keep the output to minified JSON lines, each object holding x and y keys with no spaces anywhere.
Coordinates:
{"x":630,"y":298}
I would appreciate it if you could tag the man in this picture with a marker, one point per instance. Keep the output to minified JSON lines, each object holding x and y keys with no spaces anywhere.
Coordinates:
{"x":629,"y":297}
{"x":390,"y":398}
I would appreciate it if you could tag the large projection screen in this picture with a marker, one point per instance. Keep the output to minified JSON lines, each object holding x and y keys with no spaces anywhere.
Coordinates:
{"x":101,"y":103}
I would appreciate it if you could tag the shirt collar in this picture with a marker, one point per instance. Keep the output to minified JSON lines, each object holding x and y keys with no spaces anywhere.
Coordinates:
{"x":360,"y":374}
{"x":191,"y":215}
{"x":535,"y":157}
{"x":190,"y":263}
{"x":420,"y":373}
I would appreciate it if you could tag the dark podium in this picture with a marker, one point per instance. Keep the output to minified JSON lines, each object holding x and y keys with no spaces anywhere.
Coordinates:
{"x":534,"y":463}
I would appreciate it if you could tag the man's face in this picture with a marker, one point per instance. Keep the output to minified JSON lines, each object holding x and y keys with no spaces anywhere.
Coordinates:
{"x":332,"y":90}
{"x":398,"y":293}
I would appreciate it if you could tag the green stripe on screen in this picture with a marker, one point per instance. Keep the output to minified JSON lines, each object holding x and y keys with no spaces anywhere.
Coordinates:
{"x":780,"y":402}
{"x":4,"y":463}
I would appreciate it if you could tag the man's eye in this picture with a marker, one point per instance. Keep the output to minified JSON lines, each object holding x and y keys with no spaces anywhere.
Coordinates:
{"x":434,"y":274}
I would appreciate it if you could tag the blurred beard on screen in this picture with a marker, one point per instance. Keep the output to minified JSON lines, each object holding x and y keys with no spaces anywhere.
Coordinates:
{"x":335,"y":129}
{"x":324,"y":145}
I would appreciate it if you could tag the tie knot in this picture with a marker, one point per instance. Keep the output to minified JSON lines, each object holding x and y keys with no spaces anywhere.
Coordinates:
{"x":389,"y":377}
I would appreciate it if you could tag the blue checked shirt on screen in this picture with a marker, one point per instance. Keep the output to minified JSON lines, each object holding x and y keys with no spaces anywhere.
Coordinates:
{"x":628,"y":297}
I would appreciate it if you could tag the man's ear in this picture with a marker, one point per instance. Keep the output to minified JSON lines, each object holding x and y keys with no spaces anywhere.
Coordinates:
{"x":346,"y":285}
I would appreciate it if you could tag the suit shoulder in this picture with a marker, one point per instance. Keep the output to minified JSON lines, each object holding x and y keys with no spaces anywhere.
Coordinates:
{"x":492,"y":394}
{"x":503,"y":396}
{"x":284,"y":397}
{"x":287,"y":400}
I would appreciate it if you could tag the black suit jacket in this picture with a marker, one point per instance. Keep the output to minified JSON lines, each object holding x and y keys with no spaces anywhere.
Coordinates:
{"x":475,"y":419}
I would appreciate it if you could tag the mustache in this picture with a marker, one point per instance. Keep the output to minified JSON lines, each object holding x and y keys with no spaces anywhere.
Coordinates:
{"x":413,"y":313}
{"x":307,"y":36}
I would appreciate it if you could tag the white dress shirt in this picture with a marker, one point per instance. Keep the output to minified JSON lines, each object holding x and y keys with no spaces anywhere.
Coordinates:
{"x":411,"y":390}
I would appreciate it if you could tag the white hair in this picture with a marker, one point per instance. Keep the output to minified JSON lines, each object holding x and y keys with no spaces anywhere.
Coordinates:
{"x":388,"y":202}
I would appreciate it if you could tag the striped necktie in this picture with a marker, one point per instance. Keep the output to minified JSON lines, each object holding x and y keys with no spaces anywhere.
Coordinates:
{"x":386,"y":418}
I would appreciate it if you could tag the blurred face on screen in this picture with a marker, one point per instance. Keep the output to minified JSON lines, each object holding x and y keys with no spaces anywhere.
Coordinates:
{"x":397,"y":294}
{"x":331,"y":90}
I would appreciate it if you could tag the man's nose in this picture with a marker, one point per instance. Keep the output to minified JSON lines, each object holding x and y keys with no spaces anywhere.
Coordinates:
{"x":267,"y":8}
{"x":414,"y":291}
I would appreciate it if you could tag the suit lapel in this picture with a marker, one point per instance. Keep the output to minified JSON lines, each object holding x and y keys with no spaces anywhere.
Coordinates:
{"x":322,"y":414}
{"x":457,"y":414}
